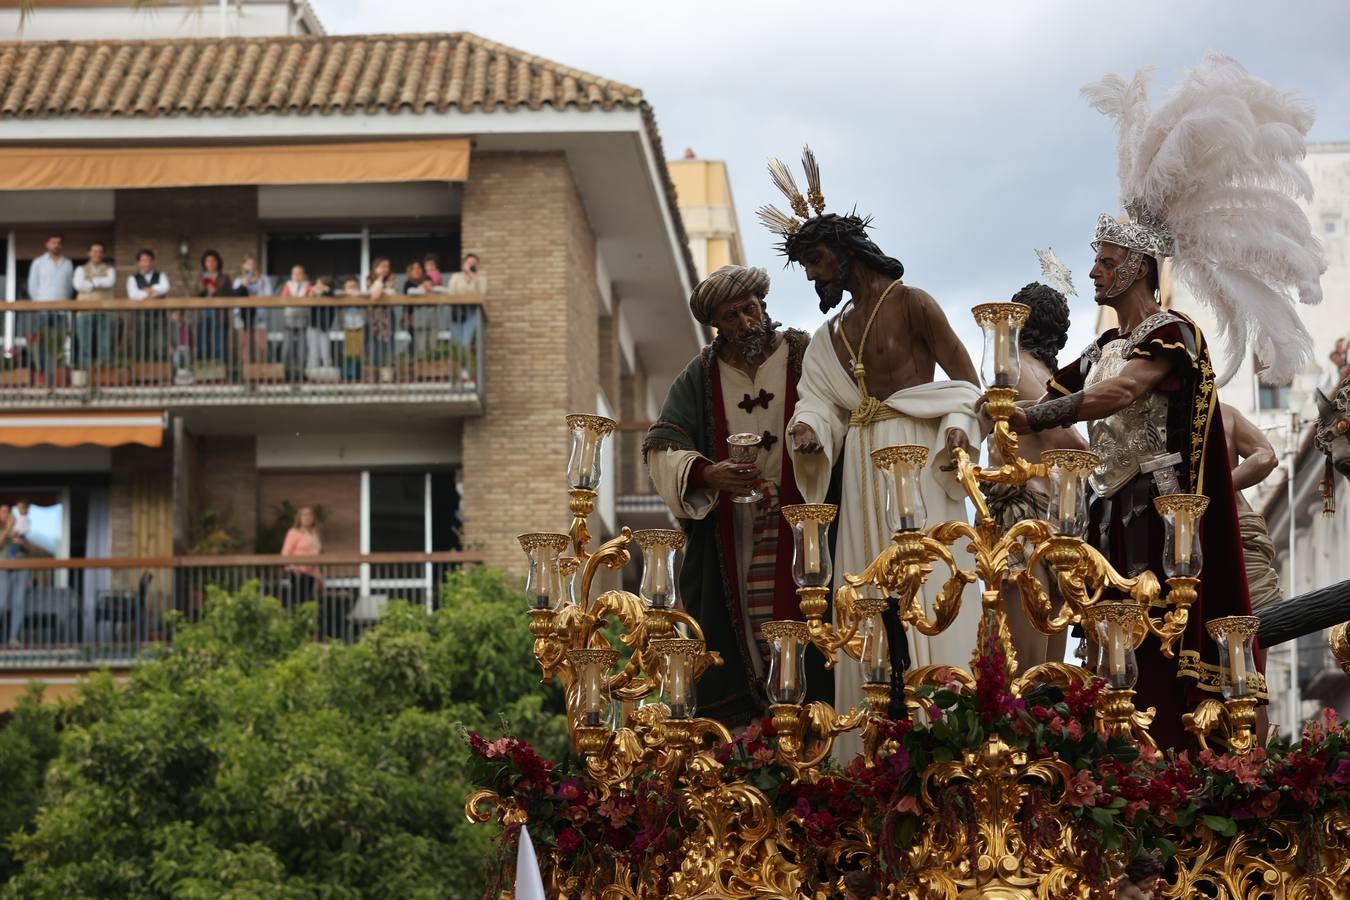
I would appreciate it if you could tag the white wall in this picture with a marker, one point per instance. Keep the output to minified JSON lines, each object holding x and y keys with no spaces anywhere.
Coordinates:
{"x":166,"y":20}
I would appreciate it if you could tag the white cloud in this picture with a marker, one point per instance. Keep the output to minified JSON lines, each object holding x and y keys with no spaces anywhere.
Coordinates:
{"x":957,"y":126}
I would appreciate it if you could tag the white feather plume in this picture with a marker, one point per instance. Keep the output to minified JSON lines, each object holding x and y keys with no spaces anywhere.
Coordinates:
{"x":1218,"y":160}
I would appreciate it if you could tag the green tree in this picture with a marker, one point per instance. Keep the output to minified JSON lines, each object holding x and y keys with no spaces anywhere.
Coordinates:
{"x":249,"y":761}
{"x":28,"y":742}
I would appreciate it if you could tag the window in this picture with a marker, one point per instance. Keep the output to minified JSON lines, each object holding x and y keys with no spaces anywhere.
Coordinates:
{"x":1273,"y":396}
{"x":340,"y":253}
{"x":413,"y":512}
{"x":1331,"y":225}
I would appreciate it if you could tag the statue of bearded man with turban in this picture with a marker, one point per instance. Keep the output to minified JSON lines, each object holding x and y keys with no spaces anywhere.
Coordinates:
{"x":737,"y":571}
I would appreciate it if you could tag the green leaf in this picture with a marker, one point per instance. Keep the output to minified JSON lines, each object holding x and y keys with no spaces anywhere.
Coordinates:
{"x":1221,"y":825}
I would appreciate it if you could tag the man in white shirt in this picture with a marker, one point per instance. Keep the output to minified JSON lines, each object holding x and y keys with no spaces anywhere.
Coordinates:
{"x":146,"y":283}
{"x":94,"y":330}
{"x":50,"y":277}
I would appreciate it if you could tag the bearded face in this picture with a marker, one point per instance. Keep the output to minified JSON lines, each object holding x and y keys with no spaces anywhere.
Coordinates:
{"x":755,"y":342}
{"x":829,"y":271}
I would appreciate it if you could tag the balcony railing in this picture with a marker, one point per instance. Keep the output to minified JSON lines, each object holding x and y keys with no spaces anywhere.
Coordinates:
{"x":234,"y":350}
{"x":80,"y":613}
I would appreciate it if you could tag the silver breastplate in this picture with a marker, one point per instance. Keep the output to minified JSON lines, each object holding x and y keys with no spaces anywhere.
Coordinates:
{"x":1134,"y":435}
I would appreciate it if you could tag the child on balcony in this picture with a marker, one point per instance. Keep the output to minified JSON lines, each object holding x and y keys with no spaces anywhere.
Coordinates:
{"x":353,"y":332}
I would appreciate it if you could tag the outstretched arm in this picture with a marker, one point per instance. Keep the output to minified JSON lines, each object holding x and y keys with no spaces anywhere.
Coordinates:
{"x":947,"y":347}
{"x":1257,"y":455}
{"x":1105,"y":398}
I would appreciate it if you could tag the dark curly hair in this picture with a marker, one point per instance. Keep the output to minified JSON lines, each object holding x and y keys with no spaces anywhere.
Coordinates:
{"x":1047,"y":328}
{"x":846,"y":236}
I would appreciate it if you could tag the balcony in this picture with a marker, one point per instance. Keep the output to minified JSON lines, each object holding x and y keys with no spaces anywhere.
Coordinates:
{"x":82,"y":614}
{"x":243,"y":351}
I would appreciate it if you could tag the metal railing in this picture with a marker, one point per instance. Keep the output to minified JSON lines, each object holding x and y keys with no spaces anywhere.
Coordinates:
{"x":232,"y":350}
{"x":80,"y":613}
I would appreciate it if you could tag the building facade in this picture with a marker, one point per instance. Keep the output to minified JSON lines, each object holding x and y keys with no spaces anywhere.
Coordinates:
{"x":172,"y":438}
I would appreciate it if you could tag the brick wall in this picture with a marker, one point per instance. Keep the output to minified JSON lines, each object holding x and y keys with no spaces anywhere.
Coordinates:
{"x":339,"y":493}
{"x":523,"y":215}
{"x":224,"y":219}
{"x":226,"y":480}
{"x":141,"y":501}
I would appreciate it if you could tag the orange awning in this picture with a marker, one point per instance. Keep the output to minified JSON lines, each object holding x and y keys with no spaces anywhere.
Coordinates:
{"x":103,"y":167}
{"x":111,"y":429}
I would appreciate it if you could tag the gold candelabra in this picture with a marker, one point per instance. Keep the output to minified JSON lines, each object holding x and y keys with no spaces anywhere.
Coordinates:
{"x":631,"y":707}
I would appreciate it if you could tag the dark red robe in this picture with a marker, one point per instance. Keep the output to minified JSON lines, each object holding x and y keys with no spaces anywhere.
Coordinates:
{"x":1130,"y":532}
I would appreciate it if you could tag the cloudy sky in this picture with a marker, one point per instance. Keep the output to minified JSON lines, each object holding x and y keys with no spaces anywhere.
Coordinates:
{"x":958,"y":126}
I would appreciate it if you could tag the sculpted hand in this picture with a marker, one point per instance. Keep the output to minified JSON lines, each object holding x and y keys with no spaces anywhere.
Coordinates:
{"x":1017,"y":422}
{"x":731,"y":477}
{"x":804,"y":439}
{"x":956,"y":439}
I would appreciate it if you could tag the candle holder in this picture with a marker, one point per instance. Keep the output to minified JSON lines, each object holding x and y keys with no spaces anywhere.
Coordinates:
{"x":875,"y":659}
{"x":1068,"y":471}
{"x":545,"y":588}
{"x":786,"y":682}
{"x":1119,"y":629}
{"x":587,"y":438}
{"x":678,"y":657}
{"x":905,"y":509}
{"x":811,"y":563}
{"x":1001,"y":364}
{"x":1182,"y":555}
{"x":744,"y":448}
{"x":660,"y":586}
{"x":592,"y":706}
{"x":1235,"y":636}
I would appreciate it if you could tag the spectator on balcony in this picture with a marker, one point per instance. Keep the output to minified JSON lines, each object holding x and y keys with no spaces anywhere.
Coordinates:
{"x":250,"y":323}
{"x":147,"y":283}
{"x":306,"y":581}
{"x":213,"y":282}
{"x":317,"y":351}
{"x":380,"y":283}
{"x":463,"y":324}
{"x":296,"y":320}
{"x":468,"y":280}
{"x":353,"y":332}
{"x":95,"y":280}
{"x":50,"y":277}
{"x":431,"y":263}
{"x":14,"y":538}
{"x":425,"y":323}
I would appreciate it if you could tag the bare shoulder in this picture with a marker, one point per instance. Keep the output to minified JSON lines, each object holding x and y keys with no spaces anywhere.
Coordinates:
{"x":919,"y":301}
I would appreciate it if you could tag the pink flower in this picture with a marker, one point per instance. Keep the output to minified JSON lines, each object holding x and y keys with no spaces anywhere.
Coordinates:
{"x":1342,"y":774}
{"x":764,"y":756}
{"x":751,"y":732}
{"x":1082,"y":790}
{"x":569,"y":790}
{"x":908,"y":804}
{"x":1074,"y":730}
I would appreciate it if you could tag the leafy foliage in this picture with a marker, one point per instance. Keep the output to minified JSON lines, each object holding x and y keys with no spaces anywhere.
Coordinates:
{"x":249,"y":761}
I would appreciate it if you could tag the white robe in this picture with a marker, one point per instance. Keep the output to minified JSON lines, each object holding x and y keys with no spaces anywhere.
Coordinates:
{"x":827,"y":396}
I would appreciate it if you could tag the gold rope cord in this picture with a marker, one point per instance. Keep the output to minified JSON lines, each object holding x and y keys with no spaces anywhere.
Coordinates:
{"x":870,"y":410}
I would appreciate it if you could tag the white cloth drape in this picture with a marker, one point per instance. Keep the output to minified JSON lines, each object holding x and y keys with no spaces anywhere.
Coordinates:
{"x":827,"y":395}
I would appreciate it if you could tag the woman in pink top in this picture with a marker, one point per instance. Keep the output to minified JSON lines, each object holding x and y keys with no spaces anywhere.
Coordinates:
{"x":303,"y":540}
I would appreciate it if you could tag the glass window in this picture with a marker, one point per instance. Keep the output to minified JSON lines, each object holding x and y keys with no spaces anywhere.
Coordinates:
{"x":336,"y":255}
{"x":1331,"y":226}
{"x":1273,"y":396}
{"x":404,"y":247}
{"x":397,"y":512}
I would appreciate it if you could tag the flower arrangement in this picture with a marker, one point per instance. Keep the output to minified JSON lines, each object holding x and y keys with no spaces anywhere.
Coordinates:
{"x":1125,"y":800}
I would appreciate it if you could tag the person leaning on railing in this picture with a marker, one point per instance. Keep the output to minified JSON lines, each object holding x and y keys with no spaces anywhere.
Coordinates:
{"x":50,"y":277}
{"x":250,"y":323}
{"x":353,"y":331}
{"x":147,"y":283}
{"x":383,"y":319}
{"x":94,"y":331}
{"x":213,"y":282}
{"x":464,"y":325}
{"x":306,"y":581}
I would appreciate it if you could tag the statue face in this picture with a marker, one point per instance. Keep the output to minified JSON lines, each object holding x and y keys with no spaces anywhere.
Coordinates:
{"x":827,"y":272}
{"x":740,"y":316}
{"x":1114,"y":271}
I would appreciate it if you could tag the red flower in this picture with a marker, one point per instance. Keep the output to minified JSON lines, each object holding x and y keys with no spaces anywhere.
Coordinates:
{"x":568,"y":840}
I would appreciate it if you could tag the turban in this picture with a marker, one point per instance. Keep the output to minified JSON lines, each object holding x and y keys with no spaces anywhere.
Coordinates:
{"x":727,"y":283}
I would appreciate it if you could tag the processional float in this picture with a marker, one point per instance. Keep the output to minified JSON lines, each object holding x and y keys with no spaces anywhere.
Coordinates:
{"x":631,"y":707}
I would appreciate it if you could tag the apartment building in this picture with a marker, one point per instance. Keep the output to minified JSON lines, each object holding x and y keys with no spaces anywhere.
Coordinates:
{"x":162,"y":444}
